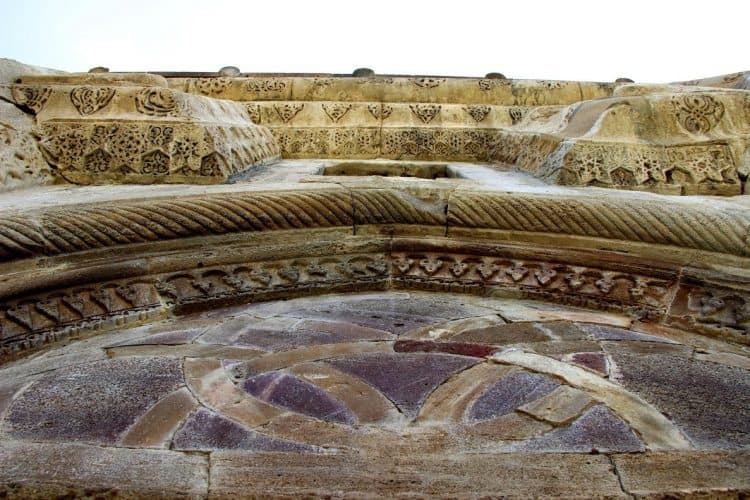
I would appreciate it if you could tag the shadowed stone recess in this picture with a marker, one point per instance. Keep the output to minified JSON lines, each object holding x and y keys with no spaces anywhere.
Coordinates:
{"x":207,"y":431}
{"x":294,"y":394}
{"x":405,"y":379}
{"x":92,"y":402}
{"x":710,"y":401}
{"x":509,"y":393}
{"x":597,"y":429}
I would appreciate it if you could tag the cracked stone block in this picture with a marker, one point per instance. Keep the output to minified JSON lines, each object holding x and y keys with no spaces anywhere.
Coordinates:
{"x":597,"y":429}
{"x":93,"y":402}
{"x":294,"y":394}
{"x":510,"y":392}
{"x":208,"y":431}
{"x":308,"y":332}
{"x":406,"y":379}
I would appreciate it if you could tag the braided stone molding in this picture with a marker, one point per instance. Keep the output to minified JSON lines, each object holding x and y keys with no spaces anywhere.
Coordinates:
{"x":702,"y":227}
{"x":715,"y":228}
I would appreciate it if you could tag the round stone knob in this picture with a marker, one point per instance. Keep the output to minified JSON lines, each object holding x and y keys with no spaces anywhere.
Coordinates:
{"x":363,"y":73}
{"x":495,"y":76}
{"x":99,"y":69}
{"x":229,"y":71}
{"x":624,"y":80}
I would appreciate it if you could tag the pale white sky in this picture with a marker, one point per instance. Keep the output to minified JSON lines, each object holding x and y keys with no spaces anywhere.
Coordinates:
{"x":649,"y":41}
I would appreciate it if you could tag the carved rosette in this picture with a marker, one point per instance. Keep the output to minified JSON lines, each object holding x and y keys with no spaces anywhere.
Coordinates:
{"x":698,"y":113}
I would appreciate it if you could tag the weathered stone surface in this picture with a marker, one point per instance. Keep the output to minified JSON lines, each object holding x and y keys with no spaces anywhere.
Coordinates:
{"x":156,"y":427}
{"x":509,"y":393}
{"x":419,"y":326}
{"x":93,"y":402}
{"x":510,"y":476}
{"x":109,"y":133}
{"x":46,"y":470}
{"x":208,"y":431}
{"x":596,"y":430}
{"x":685,"y":474}
{"x":710,"y":401}
{"x":559,"y":406}
{"x":21,"y":162}
{"x":406,"y":379}
{"x":289,"y":392}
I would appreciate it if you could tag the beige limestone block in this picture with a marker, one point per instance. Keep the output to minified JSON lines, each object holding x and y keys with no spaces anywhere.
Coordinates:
{"x":208,"y":381}
{"x":656,"y":431}
{"x":96,"y":134}
{"x":21,"y":161}
{"x":559,"y":406}
{"x":686,"y":474}
{"x":504,"y":475}
{"x":45,"y":470}
{"x":366,"y":403}
{"x":155,"y":428}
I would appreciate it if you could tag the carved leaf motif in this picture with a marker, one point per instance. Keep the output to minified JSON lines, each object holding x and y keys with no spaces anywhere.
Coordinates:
{"x":209,"y":86}
{"x":430,"y":265}
{"x":289,"y":273}
{"x":428,"y":83}
{"x":605,"y":285}
{"x":517,"y":272}
{"x":33,"y":98}
{"x":378,"y":267}
{"x":487,"y":270}
{"x":254,"y":111}
{"x":261,"y":276}
{"x":478,"y":112}
{"x":545,"y":275}
{"x":403,"y":264}
{"x":380,"y":111}
{"x":156,"y":101}
{"x":237,"y":283}
{"x":336,"y":111}
{"x":459,"y":268}
{"x":316,"y":269}
{"x":425,"y":112}
{"x":288,"y":111}
{"x":205,"y":287}
{"x":266,"y":86}
{"x":89,"y":100}
{"x":166,"y":289}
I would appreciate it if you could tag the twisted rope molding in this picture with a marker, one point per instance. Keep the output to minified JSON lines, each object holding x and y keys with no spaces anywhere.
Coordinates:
{"x":54,"y":231}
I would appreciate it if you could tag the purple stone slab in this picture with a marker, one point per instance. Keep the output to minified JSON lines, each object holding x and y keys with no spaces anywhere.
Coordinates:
{"x":175,"y":337}
{"x":290,"y":392}
{"x":596,"y":361}
{"x":406,"y":379}
{"x":596,"y":430}
{"x":602,"y":332}
{"x":510,"y":392}
{"x":92,"y":402}
{"x":396,"y":323}
{"x":308,"y":333}
{"x":205,"y":430}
